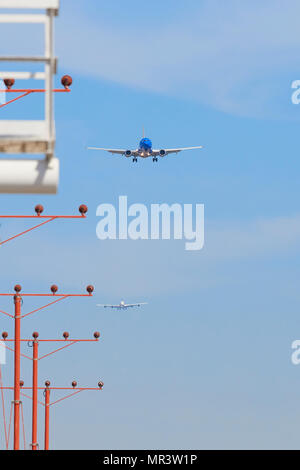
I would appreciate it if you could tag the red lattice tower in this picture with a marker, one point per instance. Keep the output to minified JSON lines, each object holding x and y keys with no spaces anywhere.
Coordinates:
{"x":17,"y":297}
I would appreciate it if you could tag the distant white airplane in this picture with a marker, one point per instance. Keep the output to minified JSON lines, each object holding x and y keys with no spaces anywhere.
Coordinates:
{"x":122,"y":305}
{"x":145,"y":150}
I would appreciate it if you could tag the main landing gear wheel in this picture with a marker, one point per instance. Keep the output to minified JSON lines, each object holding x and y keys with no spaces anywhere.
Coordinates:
{"x":134,"y":159}
{"x":154,"y":159}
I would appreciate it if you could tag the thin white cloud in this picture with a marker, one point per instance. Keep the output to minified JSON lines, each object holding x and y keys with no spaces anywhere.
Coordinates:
{"x":239,"y":57}
{"x":150,"y":268}
{"x":229,"y":55}
{"x":259,"y":238}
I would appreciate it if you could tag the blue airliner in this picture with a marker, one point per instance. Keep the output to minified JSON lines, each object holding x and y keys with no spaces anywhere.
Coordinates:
{"x":145,"y":150}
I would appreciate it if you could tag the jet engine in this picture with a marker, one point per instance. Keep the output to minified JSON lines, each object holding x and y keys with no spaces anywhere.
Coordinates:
{"x":128,"y":153}
{"x":162,"y":153}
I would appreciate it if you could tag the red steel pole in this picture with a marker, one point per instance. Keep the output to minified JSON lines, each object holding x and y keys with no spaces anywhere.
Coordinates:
{"x":35,"y":346}
{"x":17,"y":301}
{"x":47,"y":409}
{"x":17,"y":356}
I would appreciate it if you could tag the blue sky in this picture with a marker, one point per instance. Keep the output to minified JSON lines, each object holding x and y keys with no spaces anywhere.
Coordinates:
{"x":206,"y":364}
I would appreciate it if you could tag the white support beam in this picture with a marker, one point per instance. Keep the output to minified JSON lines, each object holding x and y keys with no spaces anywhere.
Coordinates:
{"x":49,"y":71}
{"x":24,"y":136}
{"x":22,"y":58}
{"x":34,"y":176}
{"x":30,"y":4}
{"x":26,"y":18}
{"x":30,"y":59}
{"x":30,"y":137}
{"x":23,"y":75}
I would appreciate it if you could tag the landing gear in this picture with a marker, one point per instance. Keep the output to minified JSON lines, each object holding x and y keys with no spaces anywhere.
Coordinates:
{"x":154,"y":159}
{"x":134,"y":159}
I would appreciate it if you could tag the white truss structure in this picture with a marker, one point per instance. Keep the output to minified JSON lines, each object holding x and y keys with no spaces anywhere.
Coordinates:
{"x":30,"y":175}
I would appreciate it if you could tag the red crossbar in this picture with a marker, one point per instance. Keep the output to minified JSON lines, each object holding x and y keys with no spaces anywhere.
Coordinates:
{"x":26,"y":92}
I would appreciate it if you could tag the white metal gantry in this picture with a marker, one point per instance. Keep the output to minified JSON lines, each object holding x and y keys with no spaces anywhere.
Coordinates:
{"x":30,"y":175}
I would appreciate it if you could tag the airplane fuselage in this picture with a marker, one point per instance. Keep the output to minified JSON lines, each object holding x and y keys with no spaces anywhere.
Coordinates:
{"x":145,"y":148}
{"x":122,"y":305}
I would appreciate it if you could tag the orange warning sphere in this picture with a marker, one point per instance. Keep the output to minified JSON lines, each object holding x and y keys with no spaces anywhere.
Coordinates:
{"x":83,"y":209}
{"x":9,"y":82}
{"x":39,"y":209}
{"x":54,"y":289}
{"x":66,"y":81}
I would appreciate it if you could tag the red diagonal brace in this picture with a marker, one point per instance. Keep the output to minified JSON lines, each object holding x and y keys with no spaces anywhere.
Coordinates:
{"x":47,"y":218}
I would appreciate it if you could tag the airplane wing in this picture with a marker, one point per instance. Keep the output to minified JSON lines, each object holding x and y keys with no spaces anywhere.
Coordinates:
{"x":157,"y":152}
{"x":116,"y":151}
{"x":111,"y":306}
{"x":135,"y":305}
